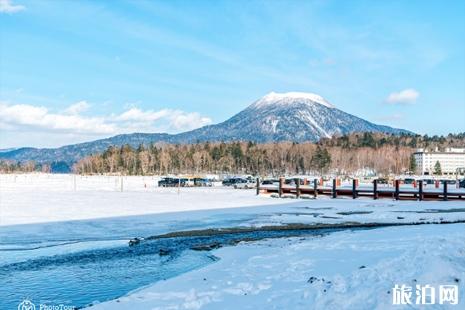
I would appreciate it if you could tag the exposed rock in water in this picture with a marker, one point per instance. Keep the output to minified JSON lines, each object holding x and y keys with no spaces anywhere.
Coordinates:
{"x":206,"y":247}
{"x":135,"y":241}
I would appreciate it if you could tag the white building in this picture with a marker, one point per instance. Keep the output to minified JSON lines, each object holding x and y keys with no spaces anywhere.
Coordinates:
{"x":452,"y":161}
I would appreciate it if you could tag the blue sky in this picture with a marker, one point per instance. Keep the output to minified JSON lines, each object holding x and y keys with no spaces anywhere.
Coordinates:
{"x":73,"y":71}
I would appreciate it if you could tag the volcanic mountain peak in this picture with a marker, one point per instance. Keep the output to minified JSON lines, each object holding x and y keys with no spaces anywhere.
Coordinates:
{"x":291,"y":97}
{"x":294,"y":116}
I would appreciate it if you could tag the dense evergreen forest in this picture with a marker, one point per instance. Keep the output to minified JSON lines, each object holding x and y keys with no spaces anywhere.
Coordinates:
{"x":347,"y":154}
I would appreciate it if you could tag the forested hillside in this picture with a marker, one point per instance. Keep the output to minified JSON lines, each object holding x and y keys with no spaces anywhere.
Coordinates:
{"x":347,"y":154}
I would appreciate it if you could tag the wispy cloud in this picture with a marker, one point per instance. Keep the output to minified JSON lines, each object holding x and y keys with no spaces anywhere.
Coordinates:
{"x":406,"y":96}
{"x":6,"y":6}
{"x":180,"y":120}
{"x":24,"y":116}
{"x":38,"y":118}
{"x":77,"y":108}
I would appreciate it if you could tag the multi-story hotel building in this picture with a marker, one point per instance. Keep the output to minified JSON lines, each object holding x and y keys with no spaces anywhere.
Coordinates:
{"x":452,"y":161}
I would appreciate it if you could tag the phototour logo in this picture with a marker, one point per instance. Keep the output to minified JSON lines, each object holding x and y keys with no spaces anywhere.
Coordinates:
{"x":26,"y":304}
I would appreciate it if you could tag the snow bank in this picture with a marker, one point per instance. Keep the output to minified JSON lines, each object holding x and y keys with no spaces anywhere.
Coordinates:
{"x":344,"y":270}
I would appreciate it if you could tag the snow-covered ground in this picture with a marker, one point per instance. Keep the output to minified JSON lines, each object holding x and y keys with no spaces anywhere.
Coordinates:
{"x":41,"y":210}
{"x":37,"y":198}
{"x":343,"y":270}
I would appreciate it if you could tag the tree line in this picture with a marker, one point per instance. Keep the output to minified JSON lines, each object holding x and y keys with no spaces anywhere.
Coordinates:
{"x":235,"y":157}
{"x":383,"y":153}
{"x":10,"y":166}
{"x":347,"y":154}
{"x":375,"y":140}
{"x":244,"y":158}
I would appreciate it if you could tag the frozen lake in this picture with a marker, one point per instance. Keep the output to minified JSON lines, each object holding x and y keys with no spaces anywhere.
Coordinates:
{"x":61,"y":245}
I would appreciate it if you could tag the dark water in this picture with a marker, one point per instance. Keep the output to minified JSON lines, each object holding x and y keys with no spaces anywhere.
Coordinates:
{"x":80,"y":276}
{"x":91,"y":276}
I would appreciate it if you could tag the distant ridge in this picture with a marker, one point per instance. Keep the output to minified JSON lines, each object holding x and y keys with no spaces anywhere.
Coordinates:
{"x":292,"y":116}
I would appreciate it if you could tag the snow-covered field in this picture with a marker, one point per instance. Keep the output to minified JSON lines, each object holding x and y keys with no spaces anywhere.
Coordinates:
{"x":36,"y":198}
{"x":39,"y":198}
{"x":345,"y":269}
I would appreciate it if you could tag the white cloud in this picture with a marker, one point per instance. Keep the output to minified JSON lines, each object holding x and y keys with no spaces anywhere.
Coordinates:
{"x":135,"y":114}
{"x":77,"y":108}
{"x":7,"y":7}
{"x":25,"y":117}
{"x":406,"y":96}
{"x":187,"y":121}
{"x":165,"y":120}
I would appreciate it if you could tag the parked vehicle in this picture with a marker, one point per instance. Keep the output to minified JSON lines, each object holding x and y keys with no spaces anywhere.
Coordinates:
{"x":229,"y":181}
{"x":382,"y":181}
{"x":202,"y":182}
{"x":188,"y":182}
{"x":409,"y":180}
{"x":428,"y":181}
{"x":462,"y":183}
{"x":270,"y":182}
{"x":291,"y":181}
{"x":171,"y":182}
{"x":244,"y":183}
{"x":237,"y":182}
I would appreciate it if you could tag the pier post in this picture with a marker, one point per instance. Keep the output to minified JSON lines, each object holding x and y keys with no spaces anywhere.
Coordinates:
{"x":297,"y":187}
{"x":334,"y":192}
{"x":420,"y":190}
{"x":315,"y":188}
{"x":397,"y":182}
{"x":258,"y":186}
{"x":280,"y":189}
{"x":375,"y":189}
{"x":354,"y":188}
{"x":445,"y":191}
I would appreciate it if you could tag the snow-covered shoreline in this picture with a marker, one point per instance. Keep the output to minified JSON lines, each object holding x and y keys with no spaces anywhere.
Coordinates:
{"x":342,"y":270}
{"x":42,"y":198}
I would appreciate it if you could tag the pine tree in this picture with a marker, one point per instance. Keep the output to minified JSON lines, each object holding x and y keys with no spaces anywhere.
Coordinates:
{"x":321,"y":159}
{"x":437,"y":168}
{"x":412,"y":164}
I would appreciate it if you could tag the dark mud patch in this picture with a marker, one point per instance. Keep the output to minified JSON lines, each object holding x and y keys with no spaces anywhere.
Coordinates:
{"x":291,"y":227}
{"x":314,"y":214}
{"x":455,"y":210}
{"x":354,"y":212}
{"x":315,"y":208}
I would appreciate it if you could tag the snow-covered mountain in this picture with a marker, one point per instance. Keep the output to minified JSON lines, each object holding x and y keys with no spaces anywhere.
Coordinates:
{"x":276,"y":117}
{"x":290,"y":116}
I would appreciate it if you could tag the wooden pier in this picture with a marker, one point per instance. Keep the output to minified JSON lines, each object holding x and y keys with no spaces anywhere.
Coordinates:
{"x":375,"y":191}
